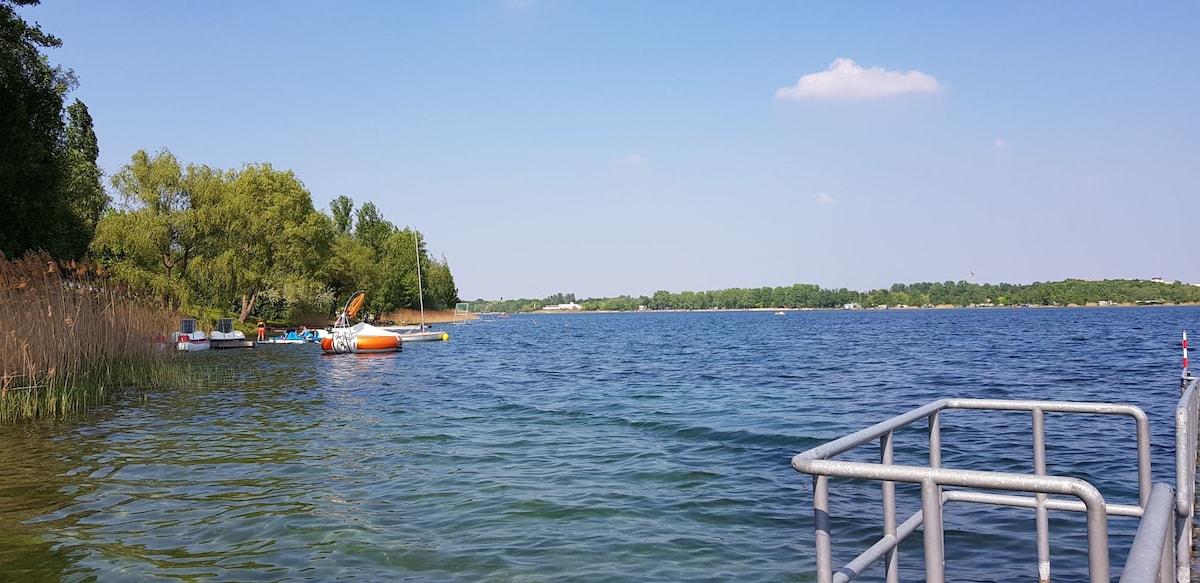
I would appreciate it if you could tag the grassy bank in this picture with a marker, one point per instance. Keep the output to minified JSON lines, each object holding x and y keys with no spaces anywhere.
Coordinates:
{"x":69,"y":337}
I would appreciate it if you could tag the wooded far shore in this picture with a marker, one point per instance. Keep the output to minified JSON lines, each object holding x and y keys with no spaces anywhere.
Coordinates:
{"x":1069,"y":292}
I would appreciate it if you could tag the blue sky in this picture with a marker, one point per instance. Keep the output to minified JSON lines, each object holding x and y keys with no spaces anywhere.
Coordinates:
{"x":624,"y":147}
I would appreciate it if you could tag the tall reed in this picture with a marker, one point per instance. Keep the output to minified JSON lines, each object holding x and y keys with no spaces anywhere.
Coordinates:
{"x":69,"y":336}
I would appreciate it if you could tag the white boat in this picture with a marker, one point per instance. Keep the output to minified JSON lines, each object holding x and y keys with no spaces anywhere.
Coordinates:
{"x":188,"y":338}
{"x":360,"y":338}
{"x":422,"y":334}
{"x":226,"y":337}
{"x":780,"y":313}
{"x":426,"y":336}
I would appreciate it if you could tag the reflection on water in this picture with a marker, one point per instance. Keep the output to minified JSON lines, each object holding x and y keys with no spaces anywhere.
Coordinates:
{"x":648,"y":447}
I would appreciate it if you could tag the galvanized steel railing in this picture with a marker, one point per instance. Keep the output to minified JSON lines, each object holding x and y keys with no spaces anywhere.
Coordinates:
{"x":1187,"y":416}
{"x":1150,"y":556}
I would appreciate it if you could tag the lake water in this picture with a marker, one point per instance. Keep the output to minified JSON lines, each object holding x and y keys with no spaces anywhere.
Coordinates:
{"x":580,"y":447}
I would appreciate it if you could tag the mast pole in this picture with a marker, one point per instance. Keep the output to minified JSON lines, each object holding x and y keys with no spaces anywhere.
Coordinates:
{"x":420,"y":294}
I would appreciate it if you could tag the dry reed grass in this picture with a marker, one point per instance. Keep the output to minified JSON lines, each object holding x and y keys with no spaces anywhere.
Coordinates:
{"x":407,"y":316}
{"x":69,"y":336}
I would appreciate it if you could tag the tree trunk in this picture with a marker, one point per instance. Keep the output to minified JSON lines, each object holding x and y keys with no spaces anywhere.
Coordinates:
{"x":247,"y":306}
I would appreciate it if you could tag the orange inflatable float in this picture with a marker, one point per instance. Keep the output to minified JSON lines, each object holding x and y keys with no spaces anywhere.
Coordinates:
{"x":360,"y":338}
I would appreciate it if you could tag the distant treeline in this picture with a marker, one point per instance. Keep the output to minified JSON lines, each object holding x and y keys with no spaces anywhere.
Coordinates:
{"x":960,"y":293}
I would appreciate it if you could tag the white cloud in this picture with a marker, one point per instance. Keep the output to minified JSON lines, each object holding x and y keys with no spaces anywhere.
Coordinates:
{"x":845,"y":79}
{"x":825,"y":198}
{"x":1000,"y":144}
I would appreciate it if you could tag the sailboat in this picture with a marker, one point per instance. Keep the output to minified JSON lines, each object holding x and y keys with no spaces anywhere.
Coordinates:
{"x":422,"y":335}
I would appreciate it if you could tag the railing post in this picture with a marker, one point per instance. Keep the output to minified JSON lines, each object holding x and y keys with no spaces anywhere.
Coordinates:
{"x":935,"y":440}
{"x":1186,"y":413}
{"x":887,"y":456}
{"x":935,"y":540}
{"x":1042,"y":518}
{"x":821,"y":521}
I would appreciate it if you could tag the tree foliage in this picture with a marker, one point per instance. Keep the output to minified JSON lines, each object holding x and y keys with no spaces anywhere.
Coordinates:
{"x":48,"y":192}
{"x":249,"y":241}
{"x":948,"y":293}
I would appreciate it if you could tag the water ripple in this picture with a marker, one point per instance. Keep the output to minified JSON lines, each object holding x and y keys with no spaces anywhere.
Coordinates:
{"x":631,"y":447}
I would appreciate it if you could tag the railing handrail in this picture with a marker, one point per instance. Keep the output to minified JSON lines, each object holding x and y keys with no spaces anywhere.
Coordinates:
{"x":817,"y":462}
{"x":1093,"y":500}
{"x":887,"y":426}
{"x":1152,"y":556}
{"x":1186,"y":412}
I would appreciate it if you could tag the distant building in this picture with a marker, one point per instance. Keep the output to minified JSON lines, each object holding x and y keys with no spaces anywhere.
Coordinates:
{"x":570,"y":306}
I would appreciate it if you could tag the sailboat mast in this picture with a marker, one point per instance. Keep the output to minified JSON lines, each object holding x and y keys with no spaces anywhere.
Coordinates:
{"x":420,"y":294}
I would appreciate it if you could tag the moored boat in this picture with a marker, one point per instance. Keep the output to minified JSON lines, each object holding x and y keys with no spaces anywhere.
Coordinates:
{"x":226,"y":337}
{"x":188,"y":338}
{"x":303,"y":336}
{"x":361,"y":338}
{"x":426,"y":336}
{"x":422,"y":333}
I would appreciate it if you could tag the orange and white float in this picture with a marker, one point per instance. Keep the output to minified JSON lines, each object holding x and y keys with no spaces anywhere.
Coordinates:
{"x":360,"y":338}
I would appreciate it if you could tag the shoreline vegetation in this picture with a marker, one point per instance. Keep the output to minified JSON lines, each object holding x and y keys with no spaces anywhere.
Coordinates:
{"x":878,"y":308}
{"x":949,"y":294}
{"x":72,"y":337}
{"x":188,"y":238}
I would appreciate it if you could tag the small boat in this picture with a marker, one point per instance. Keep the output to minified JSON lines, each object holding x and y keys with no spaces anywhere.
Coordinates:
{"x":426,"y":336}
{"x":360,"y":338}
{"x":226,"y":337}
{"x":293,"y":337}
{"x":780,"y":313}
{"x":423,"y":334}
{"x":188,"y":338}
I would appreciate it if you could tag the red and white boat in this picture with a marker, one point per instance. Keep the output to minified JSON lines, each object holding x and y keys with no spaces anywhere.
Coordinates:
{"x":188,"y":338}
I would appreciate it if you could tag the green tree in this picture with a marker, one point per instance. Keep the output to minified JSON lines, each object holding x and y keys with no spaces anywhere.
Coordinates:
{"x":275,"y":243}
{"x":152,"y":240}
{"x":85,"y":191}
{"x":342,"y":209}
{"x":35,"y":210}
{"x":371,"y":228}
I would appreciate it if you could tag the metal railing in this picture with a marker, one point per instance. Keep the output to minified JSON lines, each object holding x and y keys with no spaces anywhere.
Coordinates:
{"x":1150,"y":557}
{"x":1186,"y":421}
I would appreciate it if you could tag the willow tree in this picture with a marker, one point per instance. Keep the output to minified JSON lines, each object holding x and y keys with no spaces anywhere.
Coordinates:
{"x":274,"y":243}
{"x":163,"y":220}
